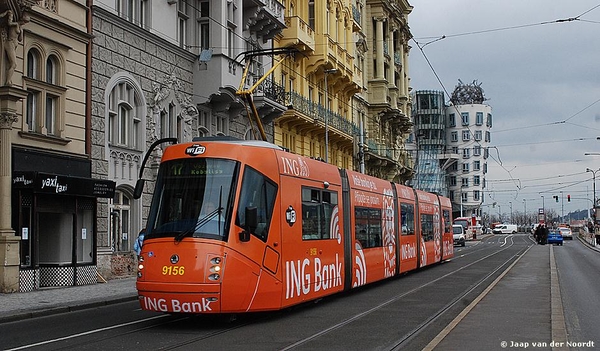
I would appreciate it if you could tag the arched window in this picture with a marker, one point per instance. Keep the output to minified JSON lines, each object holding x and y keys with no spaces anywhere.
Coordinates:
{"x":44,"y":106}
{"x":124,"y":116}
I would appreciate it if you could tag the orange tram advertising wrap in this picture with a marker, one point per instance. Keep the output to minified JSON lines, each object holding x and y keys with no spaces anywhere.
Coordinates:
{"x":243,"y":226}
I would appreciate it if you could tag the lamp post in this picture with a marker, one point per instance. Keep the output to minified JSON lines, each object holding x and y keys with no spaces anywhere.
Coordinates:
{"x":525,"y":210}
{"x":511,"y":216}
{"x":327,"y":72}
{"x":594,"y":184}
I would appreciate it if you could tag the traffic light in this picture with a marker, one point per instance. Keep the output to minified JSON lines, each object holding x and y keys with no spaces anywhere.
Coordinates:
{"x":555,"y":197}
{"x":569,"y":198}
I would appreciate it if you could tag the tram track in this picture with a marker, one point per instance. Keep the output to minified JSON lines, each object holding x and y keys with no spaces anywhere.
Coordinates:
{"x":182,"y":332}
{"x":407,"y":337}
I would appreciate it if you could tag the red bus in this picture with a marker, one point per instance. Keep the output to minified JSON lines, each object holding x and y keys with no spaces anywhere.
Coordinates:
{"x":242,"y":226}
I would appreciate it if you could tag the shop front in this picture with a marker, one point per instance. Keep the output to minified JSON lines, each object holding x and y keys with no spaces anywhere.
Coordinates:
{"x":55,"y":216}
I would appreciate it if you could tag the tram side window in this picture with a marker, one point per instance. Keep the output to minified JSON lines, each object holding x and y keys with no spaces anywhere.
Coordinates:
{"x":257,"y":191}
{"x":407,"y":219}
{"x":427,"y":227}
{"x":368,"y":227}
{"x":447,"y":221}
{"x":317,"y":207}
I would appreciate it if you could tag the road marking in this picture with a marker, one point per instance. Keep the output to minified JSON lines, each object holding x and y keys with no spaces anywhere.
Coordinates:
{"x":559,"y":330}
{"x":85,"y":333}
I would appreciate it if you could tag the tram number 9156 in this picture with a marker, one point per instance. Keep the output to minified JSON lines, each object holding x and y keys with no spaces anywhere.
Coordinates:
{"x":173,"y":270}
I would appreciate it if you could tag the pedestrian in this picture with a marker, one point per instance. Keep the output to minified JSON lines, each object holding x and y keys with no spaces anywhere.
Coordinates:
{"x":537,"y":234}
{"x":137,"y":245}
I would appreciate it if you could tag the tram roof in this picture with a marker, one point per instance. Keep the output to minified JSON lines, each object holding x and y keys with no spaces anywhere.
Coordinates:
{"x":232,"y":140}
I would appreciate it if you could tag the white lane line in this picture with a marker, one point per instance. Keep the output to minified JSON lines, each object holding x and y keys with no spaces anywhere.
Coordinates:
{"x":85,"y":333}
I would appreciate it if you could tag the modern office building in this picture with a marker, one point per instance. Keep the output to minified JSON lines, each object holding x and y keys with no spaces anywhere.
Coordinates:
{"x":450,"y":145}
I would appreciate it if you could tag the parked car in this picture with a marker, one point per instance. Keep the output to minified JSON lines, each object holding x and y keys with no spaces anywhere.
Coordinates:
{"x":554,"y":237}
{"x":566,"y":233}
{"x":459,"y":234}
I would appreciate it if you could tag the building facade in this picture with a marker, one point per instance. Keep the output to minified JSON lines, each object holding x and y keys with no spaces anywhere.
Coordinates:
{"x":52,"y":194}
{"x":92,"y":84}
{"x":468,"y":135}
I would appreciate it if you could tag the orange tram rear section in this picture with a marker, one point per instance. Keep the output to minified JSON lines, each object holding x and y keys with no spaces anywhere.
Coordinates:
{"x":243,"y":226}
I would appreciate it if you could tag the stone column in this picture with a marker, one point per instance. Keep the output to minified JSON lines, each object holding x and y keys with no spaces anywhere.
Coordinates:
{"x":9,"y":242}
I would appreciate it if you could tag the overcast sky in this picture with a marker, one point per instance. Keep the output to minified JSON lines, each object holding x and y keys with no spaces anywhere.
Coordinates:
{"x":541,"y":78}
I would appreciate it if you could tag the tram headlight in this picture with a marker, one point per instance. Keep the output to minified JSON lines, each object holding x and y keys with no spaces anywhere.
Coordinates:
{"x":214,"y":276}
{"x":215,"y":260}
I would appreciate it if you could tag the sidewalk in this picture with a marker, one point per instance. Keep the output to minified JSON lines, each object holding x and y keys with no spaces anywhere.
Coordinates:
{"x":48,"y":301}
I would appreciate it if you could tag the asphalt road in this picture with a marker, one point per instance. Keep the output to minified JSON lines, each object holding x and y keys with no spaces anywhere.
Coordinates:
{"x":406,"y":312}
{"x":579,"y":272}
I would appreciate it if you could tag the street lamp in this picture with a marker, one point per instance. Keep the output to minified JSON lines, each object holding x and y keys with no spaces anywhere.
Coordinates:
{"x":511,"y":216}
{"x":594,"y":180}
{"x":525,"y":211}
{"x":327,"y":72}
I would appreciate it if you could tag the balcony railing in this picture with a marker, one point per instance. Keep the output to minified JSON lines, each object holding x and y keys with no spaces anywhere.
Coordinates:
{"x":318,"y":112}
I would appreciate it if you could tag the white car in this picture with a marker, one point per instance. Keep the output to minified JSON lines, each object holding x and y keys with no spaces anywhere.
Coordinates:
{"x":458,"y":232}
{"x":566,"y":233}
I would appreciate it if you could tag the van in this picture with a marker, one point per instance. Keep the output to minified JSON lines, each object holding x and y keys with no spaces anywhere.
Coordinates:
{"x":458,"y":232}
{"x":505,"y":229}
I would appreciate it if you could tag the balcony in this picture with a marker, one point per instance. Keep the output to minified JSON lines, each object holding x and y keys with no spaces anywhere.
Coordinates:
{"x":264,"y":17}
{"x":298,"y":34}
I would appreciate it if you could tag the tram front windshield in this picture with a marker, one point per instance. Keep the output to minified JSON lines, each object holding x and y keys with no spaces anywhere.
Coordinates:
{"x":192,"y":198}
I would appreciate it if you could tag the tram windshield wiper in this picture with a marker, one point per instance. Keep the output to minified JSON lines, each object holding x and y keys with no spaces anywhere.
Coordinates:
{"x":204,"y":220}
{"x":199,"y":224}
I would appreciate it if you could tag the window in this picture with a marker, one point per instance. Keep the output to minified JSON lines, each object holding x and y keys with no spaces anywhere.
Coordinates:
{"x":464,"y":182}
{"x":368,"y":227}
{"x":311,"y":14}
{"x":317,"y":207}
{"x":464,"y":117}
{"x":466,"y":152}
{"x":464,"y":197}
{"x":476,"y":180}
{"x":476,"y":195}
{"x":260,"y":192}
{"x":476,"y":165}
{"x":454,"y":136}
{"x":45,"y":94}
{"x":452,"y":180}
{"x":407,"y":218}
{"x":182,"y":17}
{"x":134,"y":11}
{"x":122,"y":235}
{"x":477,"y":150}
{"x":477,"y":135}
{"x":455,"y":149}
{"x":447,"y":221}
{"x":427,"y":227}
{"x":222,"y":125}
{"x":465,"y":167}
{"x":488,"y":123}
{"x":452,"y":120}
{"x":488,"y":137}
{"x":466,"y":135}
{"x":479,"y":118}
{"x":124,"y":117}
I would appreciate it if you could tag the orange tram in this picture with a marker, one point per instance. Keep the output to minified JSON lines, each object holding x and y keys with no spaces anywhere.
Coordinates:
{"x":244,"y":226}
